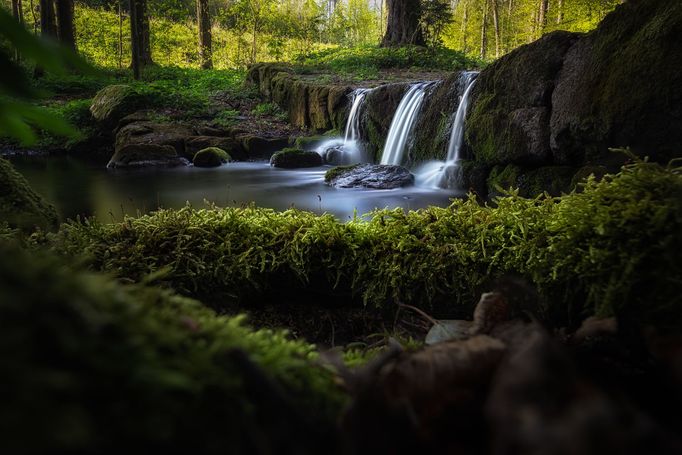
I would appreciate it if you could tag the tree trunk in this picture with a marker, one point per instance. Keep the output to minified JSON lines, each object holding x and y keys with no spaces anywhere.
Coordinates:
{"x":146,"y":46}
{"x":18,"y":15}
{"x":254,"y":42}
{"x":65,"y":27}
{"x":465,"y":20}
{"x":135,"y":37}
{"x":120,"y":33}
{"x":484,"y":30}
{"x":496,"y":23}
{"x":560,"y":12}
{"x":204,"y":20}
{"x":542,"y":17}
{"x":48,"y":26}
{"x":402,"y":26}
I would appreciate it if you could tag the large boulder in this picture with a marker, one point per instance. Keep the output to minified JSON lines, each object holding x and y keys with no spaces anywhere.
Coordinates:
{"x":145,"y":155}
{"x":154,"y":133}
{"x":508,"y":119}
{"x":114,"y":102}
{"x":620,"y":86}
{"x":374,"y":176}
{"x":260,"y":147}
{"x":20,"y":206}
{"x":291,"y":158}
{"x":228,"y":144}
{"x":211,"y":157}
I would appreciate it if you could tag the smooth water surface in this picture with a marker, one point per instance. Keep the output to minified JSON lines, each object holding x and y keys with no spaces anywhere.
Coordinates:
{"x":79,"y":189}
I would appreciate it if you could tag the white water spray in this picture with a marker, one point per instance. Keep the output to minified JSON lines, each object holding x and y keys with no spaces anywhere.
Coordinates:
{"x":347,"y":151}
{"x":434,"y":174}
{"x":402,"y":123}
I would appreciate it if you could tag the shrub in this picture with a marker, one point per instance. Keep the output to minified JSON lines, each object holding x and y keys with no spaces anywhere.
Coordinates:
{"x":91,"y":366}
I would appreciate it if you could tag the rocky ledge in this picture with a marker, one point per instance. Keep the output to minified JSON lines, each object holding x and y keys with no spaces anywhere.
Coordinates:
{"x":374,"y":176}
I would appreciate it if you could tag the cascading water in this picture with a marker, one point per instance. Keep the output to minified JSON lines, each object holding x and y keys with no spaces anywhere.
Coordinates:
{"x":434,"y":174}
{"x":402,"y":123}
{"x":347,"y":151}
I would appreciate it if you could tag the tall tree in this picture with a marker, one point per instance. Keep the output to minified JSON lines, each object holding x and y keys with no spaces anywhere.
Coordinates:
{"x":48,"y":25}
{"x":204,"y":20}
{"x":18,"y":13}
{"x":65,"y":27}
{"x":402,"y":26}
{"x":496,"y":24}
{"x":542,"y":17}
{"x":139,"y":36}
{"x":484,"y":30}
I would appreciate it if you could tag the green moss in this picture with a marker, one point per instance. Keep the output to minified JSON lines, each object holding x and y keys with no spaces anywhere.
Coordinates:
{"x":20,"y":206}
{"x":612,"y":248}
{"x":503,"y":178}
{"x":114,"y":102}
{"x":211,"y":157}
{"x":310,"y":142}
{"x":331,"y":174}
{"x":96,"y":367}
{"x":292,"y":157}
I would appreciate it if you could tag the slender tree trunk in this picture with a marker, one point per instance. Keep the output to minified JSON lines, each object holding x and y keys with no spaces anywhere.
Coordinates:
{"x":146,"y":45}
{"x":135,"y":38}
{"x":204,"y":20}
{"x":402,"y":26}
{"x":35,"y":18}
{"x":560,"y":12}
{"x":17,"y":13}
{"x":120,"y":33}
{"x":65,"y":27}
{"x":254,"y":42}
{"x":484,"y":30}
{"x":496,"y":23}
{"x":465,"y":21}
{"x":542,"y":17}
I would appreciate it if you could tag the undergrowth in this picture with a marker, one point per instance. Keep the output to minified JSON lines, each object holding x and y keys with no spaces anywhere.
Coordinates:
{"x":92,"y":366}
{"x":609,"y":249}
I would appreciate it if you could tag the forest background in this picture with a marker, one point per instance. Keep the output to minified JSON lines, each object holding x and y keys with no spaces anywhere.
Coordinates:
{"x":246,"y":31}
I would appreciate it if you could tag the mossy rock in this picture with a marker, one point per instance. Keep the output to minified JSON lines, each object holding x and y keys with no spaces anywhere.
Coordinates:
{"x":554,"y":180}
{"x":97,"y":367}
{"x":259,"y":147}
{"x":211,"y":157}
{"x":337,"y":171}
{"x":144,"y":155}
{"x":20,"y":206}
{"x":311,"y":142}
{"x":294,"y":158}
{"x":114,"y":102}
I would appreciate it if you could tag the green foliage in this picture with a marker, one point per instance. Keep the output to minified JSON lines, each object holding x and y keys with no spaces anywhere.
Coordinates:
{"x":92,"y":366}
{"x":268,"y":109}
{"x":369,"y":60}
{"x":226,"y":118}
{"x":602,"y":250}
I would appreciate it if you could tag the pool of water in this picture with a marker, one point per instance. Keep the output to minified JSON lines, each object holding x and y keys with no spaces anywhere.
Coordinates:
{"x":78,"y":188}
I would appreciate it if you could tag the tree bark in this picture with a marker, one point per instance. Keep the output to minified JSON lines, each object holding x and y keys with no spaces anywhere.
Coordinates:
{"x":135,"y":38}
{"x":484,"y":30}
{"x":560,"y":12}
{"x":204,"y":21}
{"x":496,"y":23}
{"x":65,"y":27}
{"x":48,"y":25}
{"x":19,"y":16}
{"x":465,"y":20}
{"x":146,"y":46}
{"x":402,"y":26}
{"x":542,"y":17}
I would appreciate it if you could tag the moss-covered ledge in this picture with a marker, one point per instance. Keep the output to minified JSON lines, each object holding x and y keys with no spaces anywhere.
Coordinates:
{"x":309,"y":103}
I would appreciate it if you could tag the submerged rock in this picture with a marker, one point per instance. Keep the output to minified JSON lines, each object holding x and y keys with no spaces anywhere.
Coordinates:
{"x":375,"y":176}
{"x":174,"y":135}
{"x":211,"y":157}
{"x":143,"y":155}
{"x":20,"y":206}
{"x":292,"y":158}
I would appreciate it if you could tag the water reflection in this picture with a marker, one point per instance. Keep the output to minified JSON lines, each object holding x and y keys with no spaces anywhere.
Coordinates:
{"x":81,"y":189}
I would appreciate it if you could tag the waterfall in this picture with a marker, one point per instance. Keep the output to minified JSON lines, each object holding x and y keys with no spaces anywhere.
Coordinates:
{"x":402,"y":123}
{"x":434,"y":174}
{"x":353,"y":123}
{"x":347,"y":150}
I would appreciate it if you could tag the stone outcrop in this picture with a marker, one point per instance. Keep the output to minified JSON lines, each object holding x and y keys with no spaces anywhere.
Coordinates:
{"x":546,"y":113}
{"x":308,"y":103}
{"x":145,"y":155}
{"x":114,"y":102}
{"x":291,"y":158}
{"x":373,"y":176}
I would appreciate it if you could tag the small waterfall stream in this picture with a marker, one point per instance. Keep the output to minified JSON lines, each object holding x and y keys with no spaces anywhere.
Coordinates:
{"x":402,"y":123}
{"x":434,"y":174}
{"x":347,"y":150}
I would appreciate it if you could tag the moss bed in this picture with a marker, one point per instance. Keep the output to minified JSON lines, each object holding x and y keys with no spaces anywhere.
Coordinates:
{"x":92,"y":366}
{"x":609,"y":249}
